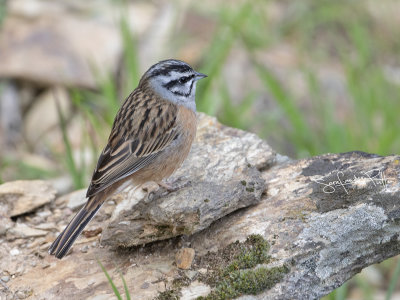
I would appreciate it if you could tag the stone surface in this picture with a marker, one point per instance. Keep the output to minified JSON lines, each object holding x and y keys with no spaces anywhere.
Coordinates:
{"x":23,"y":231}
{"x":325,"y":218}
{"x":74,"y":200}
{"x":43,"y":116}
{"x":23,"y":196}
{"x":195,"y":290}
{"x":5,"y":225}
{"x":55,"y":50}
{"x":184,"y":258}
{"x":10,"y":115}
{"x":329,"y":216}
{"x":222,"y":170}
{"x":48,"y":42}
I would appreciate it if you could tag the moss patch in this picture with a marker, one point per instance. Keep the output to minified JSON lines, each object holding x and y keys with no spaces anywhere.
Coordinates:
{"x":173,"y":293}
{"x":163,"y":229}
{"x":253,"y":281}
{"x":232,"y":272}
{"x":168,"y":295}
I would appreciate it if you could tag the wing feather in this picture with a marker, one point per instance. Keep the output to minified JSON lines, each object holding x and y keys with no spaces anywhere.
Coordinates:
{"x":142,"y":129}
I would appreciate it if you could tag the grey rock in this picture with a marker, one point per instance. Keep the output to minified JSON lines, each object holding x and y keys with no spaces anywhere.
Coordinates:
{"x":325,"y":217}
{"x":55,"y":50}
{"x":23,"y":196}
{"x":74,"y":200}
{"x":20,"y":295}
{"x":14,"y":252}
{"x":24,"y":231}
{"x":184,"y":258}
{"x":48,"y":43}
{"x":63,"y":184}
{"x":145,"y":285}
{"x":222,"y":170}
{"x":43,"y":116}
{"x":5,"y":225}
{"x":191,"y":274}
{"x":85,"y":249}
{"x":46,"y":226}
{"x":10,"y":115}
{"x":195,"y":290}
{"x":100,"y":297}
{"x":43,"y":214}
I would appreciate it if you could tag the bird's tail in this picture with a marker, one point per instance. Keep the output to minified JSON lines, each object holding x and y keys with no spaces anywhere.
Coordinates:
{"x":64,"y":241}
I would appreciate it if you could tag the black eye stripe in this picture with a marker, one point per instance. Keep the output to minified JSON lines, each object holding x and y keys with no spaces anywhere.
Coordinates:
{"x":179,"y":81}
{"x":184,"y":94}
{"x":186,"y":78}
{"x":170,"y":84}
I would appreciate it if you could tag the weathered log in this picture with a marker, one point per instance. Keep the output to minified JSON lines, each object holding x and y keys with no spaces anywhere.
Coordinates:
{"x":317,"y":222}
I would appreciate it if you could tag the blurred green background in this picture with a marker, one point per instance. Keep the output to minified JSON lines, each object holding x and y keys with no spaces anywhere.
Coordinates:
{"x":310,"y":77}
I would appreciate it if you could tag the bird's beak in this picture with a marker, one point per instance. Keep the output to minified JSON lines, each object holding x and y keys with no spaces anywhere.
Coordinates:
{"x":200,"y":75}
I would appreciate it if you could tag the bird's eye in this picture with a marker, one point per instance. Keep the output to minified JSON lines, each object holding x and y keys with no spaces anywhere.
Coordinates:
{"x":182,"y":80}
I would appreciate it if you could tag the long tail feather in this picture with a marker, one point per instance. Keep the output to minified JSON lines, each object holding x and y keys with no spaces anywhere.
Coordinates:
{"x":64,"y":241}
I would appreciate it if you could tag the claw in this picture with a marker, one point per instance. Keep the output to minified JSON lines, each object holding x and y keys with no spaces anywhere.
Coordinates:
{"x":174,"y":186}
{"x":153,"y":188}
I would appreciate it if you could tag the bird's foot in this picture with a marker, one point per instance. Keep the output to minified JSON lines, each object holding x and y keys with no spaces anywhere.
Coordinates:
{"x":177,"y":184}
{"x":150,"y":187}
{"x":154,"y":192}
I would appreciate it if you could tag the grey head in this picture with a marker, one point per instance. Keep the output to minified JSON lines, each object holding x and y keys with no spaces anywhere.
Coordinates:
{"x":174,"y":80}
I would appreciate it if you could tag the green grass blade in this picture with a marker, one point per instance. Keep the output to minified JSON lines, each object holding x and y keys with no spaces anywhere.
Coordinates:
{"x":3,"y":11}
{"x":341,"y":292}
{"x":110,"y":94}
{"x":71,"y":165}
{"x":115,"y":290}
{"x":131,"y":55}
{"x":393,"y":281}
{"x":235,"y":115}
{"x":301,"y":133}
{"x":127,"y":294}
{"x":23,"y":169}
{"x":228,"y":33}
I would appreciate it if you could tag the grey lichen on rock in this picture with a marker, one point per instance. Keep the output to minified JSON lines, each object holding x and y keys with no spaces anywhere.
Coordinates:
{"x":223,"y":175}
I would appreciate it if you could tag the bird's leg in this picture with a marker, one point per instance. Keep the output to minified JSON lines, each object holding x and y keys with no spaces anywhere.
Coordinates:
{"x":150,"y":187}
{"x":177,"y":184}
{"x":153,"y":188}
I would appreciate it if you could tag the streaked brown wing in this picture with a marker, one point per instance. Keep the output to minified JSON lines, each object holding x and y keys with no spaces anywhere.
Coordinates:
{"x":141,"y":130}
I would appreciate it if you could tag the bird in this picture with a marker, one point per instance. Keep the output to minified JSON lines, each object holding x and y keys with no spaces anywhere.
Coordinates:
{"x":151,"y":136}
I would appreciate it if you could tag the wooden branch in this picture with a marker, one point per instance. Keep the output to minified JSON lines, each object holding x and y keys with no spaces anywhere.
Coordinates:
{"x":315,"y":223}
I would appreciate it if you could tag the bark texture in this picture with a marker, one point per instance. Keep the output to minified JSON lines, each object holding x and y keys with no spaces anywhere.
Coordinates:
{"x":284,"y":229}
